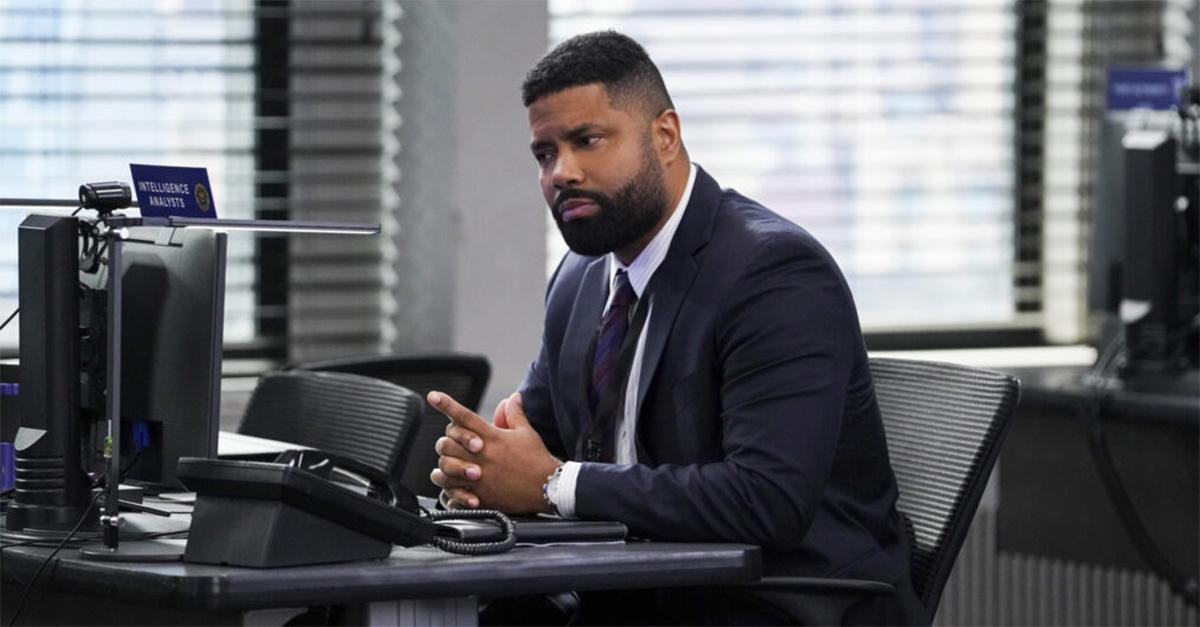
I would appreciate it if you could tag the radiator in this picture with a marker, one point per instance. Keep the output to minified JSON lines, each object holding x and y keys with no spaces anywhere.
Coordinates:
{"x":992,"y":588}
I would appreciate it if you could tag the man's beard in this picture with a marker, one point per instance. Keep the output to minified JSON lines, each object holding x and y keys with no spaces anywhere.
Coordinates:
{"x":622,"y":219}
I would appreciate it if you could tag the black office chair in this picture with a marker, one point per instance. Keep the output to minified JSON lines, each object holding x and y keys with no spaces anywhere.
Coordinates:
{"x":349,"y":415}
{"x":462,"y":376}
{"x":944,"y":424}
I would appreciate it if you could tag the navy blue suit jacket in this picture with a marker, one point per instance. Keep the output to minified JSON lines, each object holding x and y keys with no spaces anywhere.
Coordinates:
{"x":757,"y":418}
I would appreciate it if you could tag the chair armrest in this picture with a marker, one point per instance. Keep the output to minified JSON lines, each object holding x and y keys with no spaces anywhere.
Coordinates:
{"x":822,"y":584}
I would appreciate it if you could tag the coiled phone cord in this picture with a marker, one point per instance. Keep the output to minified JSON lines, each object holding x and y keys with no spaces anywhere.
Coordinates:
{"x":476,"y":548}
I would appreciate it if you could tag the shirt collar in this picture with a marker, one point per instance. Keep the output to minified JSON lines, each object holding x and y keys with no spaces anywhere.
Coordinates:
{"x":652,"y":255}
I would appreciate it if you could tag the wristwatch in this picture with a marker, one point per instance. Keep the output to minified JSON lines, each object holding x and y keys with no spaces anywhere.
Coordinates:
{"x":550,"y":490}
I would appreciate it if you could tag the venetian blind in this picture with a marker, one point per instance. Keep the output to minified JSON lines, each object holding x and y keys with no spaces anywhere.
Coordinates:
{"x":87,"y":87}
{"x":1074,"y":44}
{"x":341,"y":168}
{"x":282,"y":101}
{"x":884,"y":128}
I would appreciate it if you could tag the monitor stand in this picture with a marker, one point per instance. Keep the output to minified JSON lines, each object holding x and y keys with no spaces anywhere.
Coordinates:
{"x":131,"y":549}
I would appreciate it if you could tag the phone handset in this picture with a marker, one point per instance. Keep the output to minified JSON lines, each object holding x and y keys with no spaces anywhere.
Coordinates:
{"x":333,"y":467}
{"x":381,"y":487}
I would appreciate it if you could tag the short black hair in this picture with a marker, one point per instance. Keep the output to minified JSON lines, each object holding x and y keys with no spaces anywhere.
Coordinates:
{"x":606,"y":57}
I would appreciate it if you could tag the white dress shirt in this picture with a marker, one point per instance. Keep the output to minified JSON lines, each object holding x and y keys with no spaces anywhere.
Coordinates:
{"x":640,"y":272}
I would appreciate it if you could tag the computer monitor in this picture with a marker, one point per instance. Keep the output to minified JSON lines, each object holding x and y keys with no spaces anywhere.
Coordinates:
{"x":171,"y":341}
{"x":172,"y":319}
{"x":1144,"y":257}
{"x":52,"y":486}
{"x":1155,"y":281}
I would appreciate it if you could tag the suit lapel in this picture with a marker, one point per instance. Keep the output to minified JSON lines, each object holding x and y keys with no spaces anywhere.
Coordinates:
{"x":581,"y":328}
{"x":674,"y":277}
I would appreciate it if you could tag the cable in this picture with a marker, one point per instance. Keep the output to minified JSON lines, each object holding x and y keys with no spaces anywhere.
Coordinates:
{"x":18,"y":309}
{"x":1186,"y":588}
{"x":44,"y":543}
{"x":137,"y":457}
{"x":47,"y":540}
{"x":36,"y":574}
{"x":476,"y":548}
{"x":1089,"y":414}
{"x":10,"y":317}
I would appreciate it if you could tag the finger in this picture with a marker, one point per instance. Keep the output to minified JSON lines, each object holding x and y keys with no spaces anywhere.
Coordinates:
{"x":445,"y":481}
{"x":501,"y":409}
{"x":459,"y":469}
{"x":468,"y":439}
{"x":455,"y":411}
{"x":461,"y":497}
{"x":449,"y":447}
{"x":515,"y":415}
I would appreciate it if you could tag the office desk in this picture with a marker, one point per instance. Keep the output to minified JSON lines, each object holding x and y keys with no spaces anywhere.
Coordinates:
{"x":419,"y":585}
{"x":1052,"y":501}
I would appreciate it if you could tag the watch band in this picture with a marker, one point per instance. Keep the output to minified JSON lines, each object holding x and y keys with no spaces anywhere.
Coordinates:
{"x":550,"y":490}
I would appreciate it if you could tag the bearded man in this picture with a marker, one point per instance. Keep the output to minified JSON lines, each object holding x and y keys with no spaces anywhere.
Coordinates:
{"x":702,"y":375}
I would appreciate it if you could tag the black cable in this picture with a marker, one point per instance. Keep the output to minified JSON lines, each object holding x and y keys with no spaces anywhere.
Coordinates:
{"x":18,"y":309}
{"x":47,"y":538}
{"x":137,"y":457}
{"x":1089,"y":414}
{"x":45,"y":562}
{"x":10,"y":317}
{"x":44,"y":543}
{"x":476,"y":548}
{"x":1186,"y":588}
{"x":48,"y":543}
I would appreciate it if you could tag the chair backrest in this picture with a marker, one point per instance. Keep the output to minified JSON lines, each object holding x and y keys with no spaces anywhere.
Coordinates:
{"x":462,"y":376}
{"x":944,"y":424}
{"x":366,"y":419}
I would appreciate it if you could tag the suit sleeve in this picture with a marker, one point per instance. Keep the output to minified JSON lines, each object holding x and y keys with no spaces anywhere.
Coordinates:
{"x":535,"y":391}
{"x":785,"y":340}
{"x":538,"y":405}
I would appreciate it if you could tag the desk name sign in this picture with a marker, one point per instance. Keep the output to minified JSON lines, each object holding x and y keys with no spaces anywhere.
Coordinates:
{"x":1158,"y":89}
{"x":167,"y":191}
{"x":179,"y":197}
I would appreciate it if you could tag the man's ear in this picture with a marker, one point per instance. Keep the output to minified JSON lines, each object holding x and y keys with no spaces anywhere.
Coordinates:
{"x":665,"y":133}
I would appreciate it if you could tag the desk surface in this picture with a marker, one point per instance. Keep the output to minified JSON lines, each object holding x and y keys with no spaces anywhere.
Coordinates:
{"x":240,"y":445}
{"x":1172,"y":398}
{"x":414,"y":573}
{"x":1053,"y":501}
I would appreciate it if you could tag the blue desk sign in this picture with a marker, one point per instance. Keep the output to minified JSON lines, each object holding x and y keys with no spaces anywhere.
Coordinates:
{"x":165,"y":191}
{"x":1144,"y":88}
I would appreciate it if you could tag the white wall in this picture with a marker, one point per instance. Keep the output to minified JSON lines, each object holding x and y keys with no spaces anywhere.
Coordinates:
{"x":472,"y":222}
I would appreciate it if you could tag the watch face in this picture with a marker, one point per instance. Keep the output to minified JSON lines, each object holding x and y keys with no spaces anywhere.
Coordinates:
{"x":550,"y":490}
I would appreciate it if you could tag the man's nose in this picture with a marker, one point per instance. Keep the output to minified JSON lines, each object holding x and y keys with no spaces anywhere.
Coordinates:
{"x":566,"y":171}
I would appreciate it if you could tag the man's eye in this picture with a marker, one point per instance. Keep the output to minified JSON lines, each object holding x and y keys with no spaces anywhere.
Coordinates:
{"x":542,"y":157}
{"x":589,"y":140}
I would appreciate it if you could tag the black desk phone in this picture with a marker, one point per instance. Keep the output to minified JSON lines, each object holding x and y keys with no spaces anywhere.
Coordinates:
{"x":311,"y":507}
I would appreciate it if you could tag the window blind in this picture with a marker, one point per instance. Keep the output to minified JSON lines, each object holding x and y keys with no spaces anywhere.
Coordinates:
{"x":282,"y":101}
{"x":887,"y":129}
{"x":87,"y":87}
{"x":340,"y":116}
{"x":1082,"y":39}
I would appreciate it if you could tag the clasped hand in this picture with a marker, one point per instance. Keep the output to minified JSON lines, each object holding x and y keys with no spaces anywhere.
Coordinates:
{"x":498,"y":466}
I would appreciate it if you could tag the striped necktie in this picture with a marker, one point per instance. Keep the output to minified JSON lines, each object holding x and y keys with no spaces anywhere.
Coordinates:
{"x":610,"y":338}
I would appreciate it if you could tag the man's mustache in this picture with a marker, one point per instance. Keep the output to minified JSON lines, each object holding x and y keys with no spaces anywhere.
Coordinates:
{"x":573,"y":194}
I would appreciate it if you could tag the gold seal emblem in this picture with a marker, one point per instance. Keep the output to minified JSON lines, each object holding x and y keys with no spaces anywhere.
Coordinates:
{"x":202,"y":197}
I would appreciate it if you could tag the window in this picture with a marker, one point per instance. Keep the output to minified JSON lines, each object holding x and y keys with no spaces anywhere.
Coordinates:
{"x":885,"y":129}
{"x":88,"y":87}
{"x":282,"y":101}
